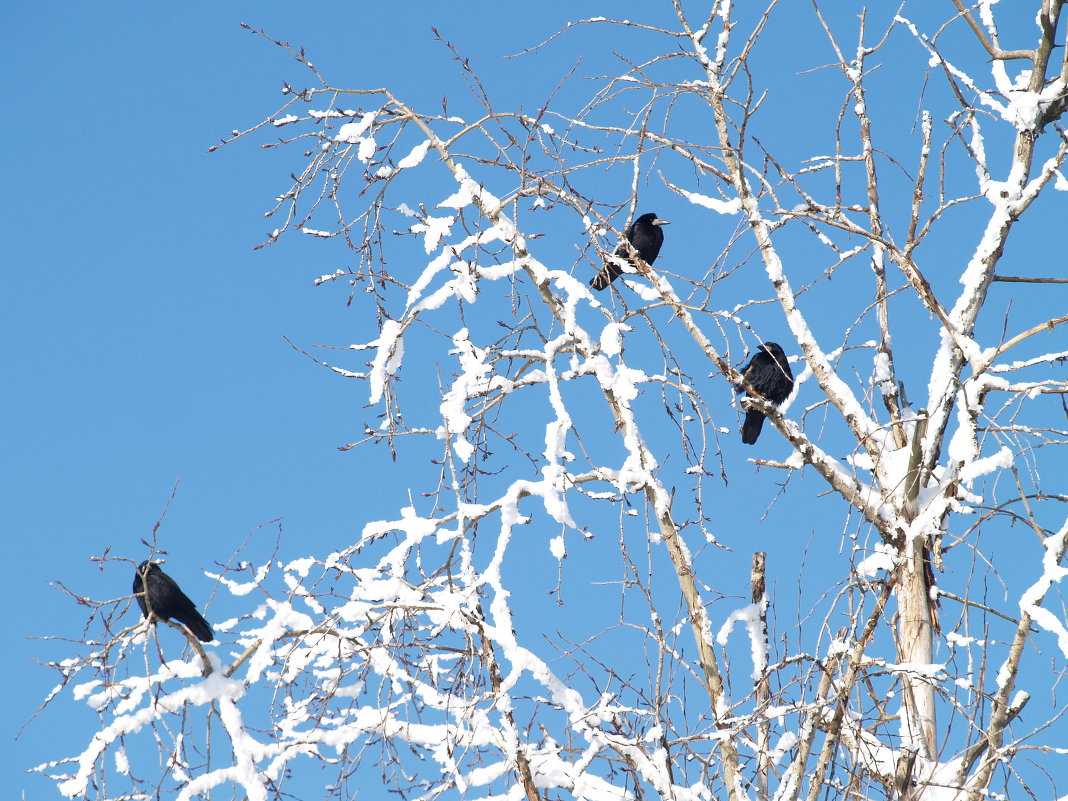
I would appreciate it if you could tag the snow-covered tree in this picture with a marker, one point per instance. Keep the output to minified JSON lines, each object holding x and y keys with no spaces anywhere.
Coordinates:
{"x":565,"y":607}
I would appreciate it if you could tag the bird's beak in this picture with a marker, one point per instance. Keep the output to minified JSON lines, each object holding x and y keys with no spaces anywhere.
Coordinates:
{"x":658,"y":221}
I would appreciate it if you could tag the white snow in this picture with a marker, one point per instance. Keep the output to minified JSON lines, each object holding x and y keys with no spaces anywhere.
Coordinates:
{"x":750,"y":616}
{"x":470,"y":383}
{"x":390,"y":347}
{"x":352,"y":132}
{"x":434,"y":230}
{"x":720,"y":206}
{"x":612,"y":338}
{"x":416,"y":156}
{"x":884,"y":557}
{"x":1052,"y":573}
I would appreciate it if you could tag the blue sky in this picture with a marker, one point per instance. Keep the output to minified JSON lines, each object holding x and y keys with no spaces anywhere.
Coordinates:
{"x":143,"y":337}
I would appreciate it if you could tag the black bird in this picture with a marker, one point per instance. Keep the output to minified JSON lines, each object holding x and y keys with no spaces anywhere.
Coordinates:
{"x":769,"y":374}
{"x":646,"y":237}
{"x":165,"y":599}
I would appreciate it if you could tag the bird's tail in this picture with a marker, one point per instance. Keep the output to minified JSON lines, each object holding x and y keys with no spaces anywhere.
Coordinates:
{"x":754,"y":421}
{"x":199,"y":626}
{"x":608,"y":274}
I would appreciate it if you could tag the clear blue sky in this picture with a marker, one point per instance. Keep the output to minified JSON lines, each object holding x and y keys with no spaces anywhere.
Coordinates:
{"x":142,"y":336}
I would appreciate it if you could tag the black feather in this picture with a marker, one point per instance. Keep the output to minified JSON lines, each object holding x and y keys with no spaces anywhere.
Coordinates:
{"x":769,"y":374}
{"x":165,"y":600}
{"x":646,"y":236}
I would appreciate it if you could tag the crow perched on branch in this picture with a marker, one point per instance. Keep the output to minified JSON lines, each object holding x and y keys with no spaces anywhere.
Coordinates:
{"x":769,"y":374}
{"x":165,"y":600}
{"x":646,"y":237}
